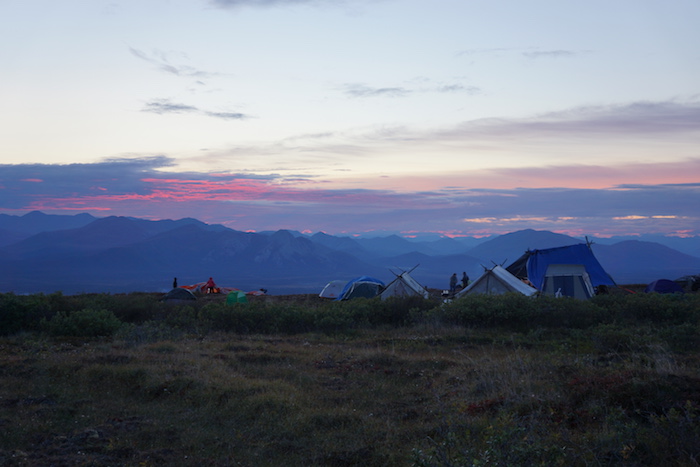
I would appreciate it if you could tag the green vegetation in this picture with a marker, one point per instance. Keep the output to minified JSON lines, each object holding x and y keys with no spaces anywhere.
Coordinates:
{"x":506,"y":380}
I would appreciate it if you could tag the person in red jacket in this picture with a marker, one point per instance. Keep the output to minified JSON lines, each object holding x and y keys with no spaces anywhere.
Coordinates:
{"x":210,"y":286}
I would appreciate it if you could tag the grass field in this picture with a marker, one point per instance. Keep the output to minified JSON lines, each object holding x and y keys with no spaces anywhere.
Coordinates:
{"x":424,"y":386}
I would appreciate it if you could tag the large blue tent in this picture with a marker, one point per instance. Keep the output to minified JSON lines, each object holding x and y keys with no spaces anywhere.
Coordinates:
{"x":534,"y":263}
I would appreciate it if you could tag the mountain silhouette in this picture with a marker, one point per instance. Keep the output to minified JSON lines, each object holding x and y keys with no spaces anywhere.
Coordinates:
{"x":124,"y":254}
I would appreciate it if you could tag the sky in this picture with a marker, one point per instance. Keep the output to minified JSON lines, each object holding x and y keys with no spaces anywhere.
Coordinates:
{"x":357,"y":117}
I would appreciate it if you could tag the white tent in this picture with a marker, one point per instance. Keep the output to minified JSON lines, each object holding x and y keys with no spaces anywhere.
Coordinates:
{"x":497,"y":281}
{"x":567,"y":280}
{"x":404,"y":286}
{"x":332,"y":289}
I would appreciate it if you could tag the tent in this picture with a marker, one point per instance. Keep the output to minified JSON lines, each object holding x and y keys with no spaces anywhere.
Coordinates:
{"x":404,"y":286}
{"x":533,"y":264}
{"x":236,"y":296}
{"x":201,"y":287}
{"x":363,"y":286}
{"x":691,"y":282}
{"x":567,"y":280}
{"x":332,"y":289}
{"x":497,"y":281}
{"x":663,"y":286}
{"x":178,"y":295}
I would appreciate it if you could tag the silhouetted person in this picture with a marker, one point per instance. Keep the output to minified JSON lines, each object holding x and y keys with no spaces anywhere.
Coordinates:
{"x":174,"y":282}
{"x":453,"y":283}
{"x":210,"y":285}
{"x":465,"y":280}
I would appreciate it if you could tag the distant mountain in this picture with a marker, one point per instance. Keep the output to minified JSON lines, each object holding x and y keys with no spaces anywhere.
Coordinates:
{"x":636,"y":262}
{"x":688,"y":245}
{"x":16,"y":228}
{"x":279,"y":262}
{"x":387,"y":246}
{"x":345,"y":244}
{"x":507,"y":248}
{"x":123,"y":254}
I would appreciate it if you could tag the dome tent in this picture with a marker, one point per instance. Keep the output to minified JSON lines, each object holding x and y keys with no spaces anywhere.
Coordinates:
{"x":664,"y":286}
{"x":332,"y":289}
{"x":178,"y":294}
{"x":236,"y":296}
{"x":363,"y":286}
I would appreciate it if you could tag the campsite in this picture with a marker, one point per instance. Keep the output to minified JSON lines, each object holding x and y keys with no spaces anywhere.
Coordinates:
{"x":543,"y":361}
{"x":482,"y":379}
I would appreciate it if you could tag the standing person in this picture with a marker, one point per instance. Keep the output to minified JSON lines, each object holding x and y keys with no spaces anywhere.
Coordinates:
{"x":210,"y":285}
{"x":453,"y":283}
{"x":465,"y":280}
{"x":174,"y":282}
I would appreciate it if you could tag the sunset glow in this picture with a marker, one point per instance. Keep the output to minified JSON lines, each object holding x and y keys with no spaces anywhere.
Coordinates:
{"x":346,"y":118}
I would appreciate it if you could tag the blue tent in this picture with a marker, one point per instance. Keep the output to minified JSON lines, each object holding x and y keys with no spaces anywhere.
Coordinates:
{"x":534,"y":263}
{"x":363,"y":286}
{"x":663,"y":286}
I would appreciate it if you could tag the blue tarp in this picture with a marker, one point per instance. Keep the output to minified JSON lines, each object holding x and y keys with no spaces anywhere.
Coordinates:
{"x":539,"y":260}
{"x":371,"y":287}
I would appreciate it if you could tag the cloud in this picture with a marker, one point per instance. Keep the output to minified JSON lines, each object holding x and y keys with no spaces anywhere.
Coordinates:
{"x":141,"y":188}
{"x":642,"y":120}
{"x":361,"y":90}
{"x":454,"y":88}
{"x":226,"y":115}
{"x":528,"y":52}
{"x":162,"y":61}
{"x":364,"y":91}
{"x":552,"y":54}
{"x":165,"y":106}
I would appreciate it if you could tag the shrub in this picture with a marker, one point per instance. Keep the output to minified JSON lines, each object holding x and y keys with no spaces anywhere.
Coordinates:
{"x":13,"y":314}
{"x":82,"y":323}
{"x":520,"y":313}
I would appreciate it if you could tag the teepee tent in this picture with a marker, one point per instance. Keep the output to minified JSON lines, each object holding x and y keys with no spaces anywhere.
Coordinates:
{"x":404,"y":286}
{"x":497,"y":281}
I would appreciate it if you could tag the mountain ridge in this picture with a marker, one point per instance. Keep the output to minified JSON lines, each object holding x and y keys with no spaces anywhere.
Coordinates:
{"x":124,"y":254}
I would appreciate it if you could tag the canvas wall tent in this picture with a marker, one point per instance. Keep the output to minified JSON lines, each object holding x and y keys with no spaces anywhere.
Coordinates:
{"x":332,"y":289}
{"x":567,"y":280}
{"x":404,"y":286}
{"x":663,"y":286}
{"x":363,"y":286}
{"x":497,"y":281}
{"x":533,"y":264}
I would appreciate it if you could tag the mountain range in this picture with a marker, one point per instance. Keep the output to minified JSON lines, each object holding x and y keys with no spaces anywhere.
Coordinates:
{"x":74,"y":254}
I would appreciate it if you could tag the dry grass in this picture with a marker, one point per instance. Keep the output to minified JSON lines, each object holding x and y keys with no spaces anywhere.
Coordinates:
{"x":421,"y":396}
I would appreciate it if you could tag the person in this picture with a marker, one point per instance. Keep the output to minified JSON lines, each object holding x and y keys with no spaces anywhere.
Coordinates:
{"x":465,"y":280}
{"x":174,"y":282}
{"x":210,"y":286}
{"x":453,"y":283}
